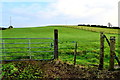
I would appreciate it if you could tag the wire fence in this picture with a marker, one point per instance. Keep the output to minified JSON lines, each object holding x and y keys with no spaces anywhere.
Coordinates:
{"x":77,"y":53}
{"x":85,"y":52}
{"x":89,"y":53}
{"x":26,"y":48}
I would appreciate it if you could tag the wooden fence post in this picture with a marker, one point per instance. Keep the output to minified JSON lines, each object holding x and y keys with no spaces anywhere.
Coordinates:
{"x":75,"y":53}
{"x":112,"y":51}
{"x":55,"y":44}
{"x":101,"y":51}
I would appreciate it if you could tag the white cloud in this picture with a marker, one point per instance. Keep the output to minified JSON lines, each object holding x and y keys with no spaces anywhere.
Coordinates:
{"x":73,"y":11}
{"x":103,"y":10}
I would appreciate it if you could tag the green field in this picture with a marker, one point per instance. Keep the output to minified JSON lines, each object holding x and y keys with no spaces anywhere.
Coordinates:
{"x":87,"y":39}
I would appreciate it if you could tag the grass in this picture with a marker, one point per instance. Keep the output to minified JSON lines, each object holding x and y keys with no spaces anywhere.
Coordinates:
{"x":95,"y":29}
{"x":86,"y":37}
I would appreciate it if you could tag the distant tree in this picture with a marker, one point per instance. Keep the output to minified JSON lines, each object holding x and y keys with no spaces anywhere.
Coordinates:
{"x":109,"y":24}
{"x":10,"y":27}
{"x":2,"y":28}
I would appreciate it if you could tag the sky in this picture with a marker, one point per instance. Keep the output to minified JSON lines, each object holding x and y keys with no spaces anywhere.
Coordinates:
{"x":34,"y":13}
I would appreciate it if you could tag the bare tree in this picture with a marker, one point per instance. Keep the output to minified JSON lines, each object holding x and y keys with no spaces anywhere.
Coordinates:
{"x":109,"y":24}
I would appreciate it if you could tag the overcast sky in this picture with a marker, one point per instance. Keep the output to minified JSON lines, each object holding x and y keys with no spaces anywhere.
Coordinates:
{"x":29,"y":13}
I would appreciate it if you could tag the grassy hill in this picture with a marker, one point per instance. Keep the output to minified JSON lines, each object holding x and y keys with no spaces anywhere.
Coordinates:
{"x":87,"y":53}
{"x":67,"y":33}
{"x":88,"y":41}
{"x":95,"y":29}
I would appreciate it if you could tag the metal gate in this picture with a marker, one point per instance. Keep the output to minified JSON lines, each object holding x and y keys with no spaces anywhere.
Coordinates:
{"x":13,"y":49}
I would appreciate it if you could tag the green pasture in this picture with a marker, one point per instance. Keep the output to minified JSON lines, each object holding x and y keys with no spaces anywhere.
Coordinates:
{"x":95,"y":29}
{"x":87,"y":39}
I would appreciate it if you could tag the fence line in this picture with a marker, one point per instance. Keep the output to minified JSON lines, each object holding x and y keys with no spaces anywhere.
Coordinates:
{"x":101,"y":51}
{"x":55,"y":48}
{"x":75,"y":52}
{"x":29,"y":43}
{"x":111,"y":44}
{"x":24,"y":47}
{"x":27,"y":52}
{"x":112,"y":51}
{"x":55,"y":44}
{"x":29,"y":47}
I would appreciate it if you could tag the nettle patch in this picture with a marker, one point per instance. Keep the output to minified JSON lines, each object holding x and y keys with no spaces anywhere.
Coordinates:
{"x":21,"y":70}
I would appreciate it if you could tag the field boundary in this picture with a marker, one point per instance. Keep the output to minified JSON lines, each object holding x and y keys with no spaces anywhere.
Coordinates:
{"x":54,"y":51}
{"x":111,"y":44}
{"x":92,"y":29}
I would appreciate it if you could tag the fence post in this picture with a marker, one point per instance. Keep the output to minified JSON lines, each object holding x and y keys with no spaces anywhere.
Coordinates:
{"x":112,"y":51}
{"x":55,"y":44}
{"x":29,"y":47}
{"x":101,"y":51}
{"x":75,"y":53}
{"x":3,"y":47}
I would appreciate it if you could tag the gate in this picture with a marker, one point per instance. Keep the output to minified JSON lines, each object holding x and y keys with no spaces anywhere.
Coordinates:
{"x":13,"y":49}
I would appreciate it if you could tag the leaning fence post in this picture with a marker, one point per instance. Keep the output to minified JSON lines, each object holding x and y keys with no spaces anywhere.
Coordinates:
{"x":112,"y":51}
{"x":55,"y":44}
{"x":101,"y":51}
{"x":75,"y":53}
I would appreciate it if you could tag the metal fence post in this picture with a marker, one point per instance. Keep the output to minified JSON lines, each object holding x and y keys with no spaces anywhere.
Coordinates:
{"x":3,"y":47}
{"x":101,"y":51}
{"x":112,"y":51}
{"x":55,"y":44}
{"x":29,"y":46}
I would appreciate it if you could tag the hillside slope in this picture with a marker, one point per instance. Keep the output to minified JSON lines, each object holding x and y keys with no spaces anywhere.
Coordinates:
{"x":88,"y":42}
{"x":95,"y":29}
